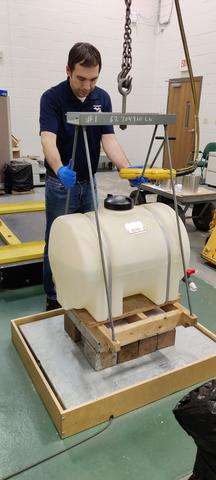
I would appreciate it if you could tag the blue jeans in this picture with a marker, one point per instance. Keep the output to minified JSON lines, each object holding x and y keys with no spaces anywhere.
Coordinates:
{"x":81,"y":201}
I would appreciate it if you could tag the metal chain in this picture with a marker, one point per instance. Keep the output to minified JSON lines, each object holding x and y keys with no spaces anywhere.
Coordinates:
{"x":124,"y":82}
{"x":127,"y":49}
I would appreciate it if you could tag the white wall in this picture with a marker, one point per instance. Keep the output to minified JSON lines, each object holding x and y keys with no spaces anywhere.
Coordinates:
{"x":35,"y":37}
{"x":200,"y":27}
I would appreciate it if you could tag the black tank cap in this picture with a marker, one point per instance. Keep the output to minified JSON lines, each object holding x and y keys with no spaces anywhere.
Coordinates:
{"x":118,"y":202}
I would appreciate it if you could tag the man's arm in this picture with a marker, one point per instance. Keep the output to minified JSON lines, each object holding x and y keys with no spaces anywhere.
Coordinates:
{"x":51,"y":153}
{"x":114,"y":151}
{"x":65,"y":174}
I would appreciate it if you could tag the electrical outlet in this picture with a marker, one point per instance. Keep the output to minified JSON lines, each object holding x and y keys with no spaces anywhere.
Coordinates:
{"x":133,"y":17}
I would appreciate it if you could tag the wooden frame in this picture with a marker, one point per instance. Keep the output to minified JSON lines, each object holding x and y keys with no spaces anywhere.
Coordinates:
{"x":74,"y":420}
{"x":142,"y":328}
{"x":135,"y":308}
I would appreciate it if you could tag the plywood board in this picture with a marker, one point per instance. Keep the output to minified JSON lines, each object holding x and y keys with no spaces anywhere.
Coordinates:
{"x":74,"y":380}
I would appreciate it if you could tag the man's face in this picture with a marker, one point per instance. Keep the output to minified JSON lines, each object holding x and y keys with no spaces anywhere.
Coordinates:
{"x":83,"y":79}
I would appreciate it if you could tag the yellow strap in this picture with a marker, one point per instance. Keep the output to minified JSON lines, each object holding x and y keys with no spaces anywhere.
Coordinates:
{"x":150,"y":173}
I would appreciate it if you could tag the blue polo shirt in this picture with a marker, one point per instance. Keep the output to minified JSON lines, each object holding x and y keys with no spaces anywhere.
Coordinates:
{"x":54,"y":105}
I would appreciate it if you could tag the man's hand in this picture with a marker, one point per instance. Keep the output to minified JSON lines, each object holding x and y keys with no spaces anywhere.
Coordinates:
{"x":138,"y":180}
{"x":66,"y":175}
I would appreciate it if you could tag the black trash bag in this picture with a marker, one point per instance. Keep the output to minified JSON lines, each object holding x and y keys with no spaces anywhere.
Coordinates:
{"x":18,"y":177}
{"x":196,"y":413}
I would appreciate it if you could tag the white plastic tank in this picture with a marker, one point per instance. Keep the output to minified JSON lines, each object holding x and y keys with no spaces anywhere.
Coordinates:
{"x":142,"y":254}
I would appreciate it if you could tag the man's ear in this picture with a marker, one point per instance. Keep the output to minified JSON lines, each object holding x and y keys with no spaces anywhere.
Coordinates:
{"x":68,"y":71}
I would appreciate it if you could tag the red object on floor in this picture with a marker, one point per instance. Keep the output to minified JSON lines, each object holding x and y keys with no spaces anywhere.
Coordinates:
{"x":190,"y":271}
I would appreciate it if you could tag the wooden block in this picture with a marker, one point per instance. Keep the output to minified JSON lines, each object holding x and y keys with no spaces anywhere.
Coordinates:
{"x":98,"y":360}
{"x":91,"y":335}
{"x":70,"y":328}
{"x":186,"y":319}
{"x":166,"y":339}
{"x":148,"y":345}
{"x":128,"y":352}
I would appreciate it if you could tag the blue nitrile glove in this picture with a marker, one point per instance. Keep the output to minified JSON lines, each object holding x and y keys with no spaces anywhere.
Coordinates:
{"x":137,"y":181}
{"x":67,"y":175}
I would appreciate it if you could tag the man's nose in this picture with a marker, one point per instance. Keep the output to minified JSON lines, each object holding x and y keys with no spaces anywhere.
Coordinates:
{"x":87,"y":85}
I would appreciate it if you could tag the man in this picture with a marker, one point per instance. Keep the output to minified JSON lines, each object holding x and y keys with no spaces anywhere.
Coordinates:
{"x":78,"y":93}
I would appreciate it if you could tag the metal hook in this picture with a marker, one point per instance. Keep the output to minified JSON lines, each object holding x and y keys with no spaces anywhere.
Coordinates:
{"x":124,"y":85}
{"x":124,"y":88}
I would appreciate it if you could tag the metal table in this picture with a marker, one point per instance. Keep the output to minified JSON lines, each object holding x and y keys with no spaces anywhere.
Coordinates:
{"x":205,"y":197}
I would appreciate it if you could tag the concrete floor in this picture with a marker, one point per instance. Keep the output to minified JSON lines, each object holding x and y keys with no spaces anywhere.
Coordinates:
{"x":144,"y":444}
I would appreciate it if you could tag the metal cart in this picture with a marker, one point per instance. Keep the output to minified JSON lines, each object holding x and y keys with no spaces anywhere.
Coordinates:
{"x":202,"y":202}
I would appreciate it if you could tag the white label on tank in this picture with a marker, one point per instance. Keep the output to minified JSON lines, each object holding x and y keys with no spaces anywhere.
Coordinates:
{"x":134,"y":227}
{"x":151,"y":198}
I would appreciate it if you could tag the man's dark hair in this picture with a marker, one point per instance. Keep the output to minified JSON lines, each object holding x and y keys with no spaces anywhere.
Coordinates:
{"x":85,"y":54}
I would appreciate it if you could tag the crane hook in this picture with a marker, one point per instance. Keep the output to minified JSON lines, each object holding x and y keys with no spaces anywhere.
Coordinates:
{"x":124,"y":85}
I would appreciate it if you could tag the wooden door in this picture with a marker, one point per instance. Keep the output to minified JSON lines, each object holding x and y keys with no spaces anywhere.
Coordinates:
{"x":180,"y":102}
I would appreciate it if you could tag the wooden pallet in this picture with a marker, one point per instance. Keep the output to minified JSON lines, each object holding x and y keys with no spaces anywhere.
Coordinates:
{"x":142,"y":328}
